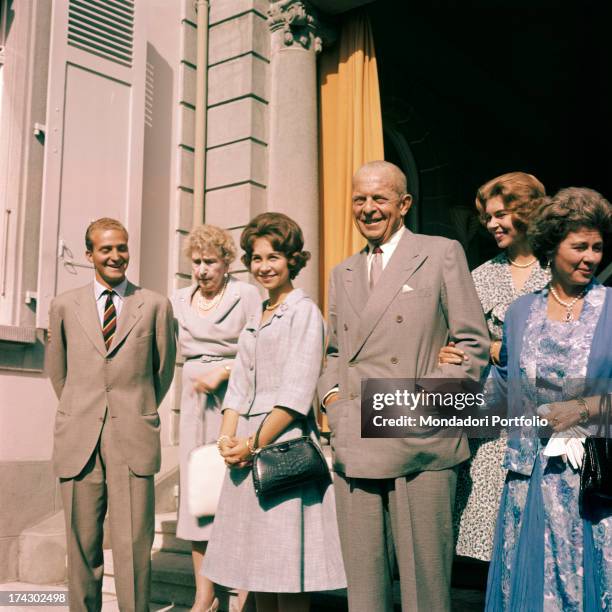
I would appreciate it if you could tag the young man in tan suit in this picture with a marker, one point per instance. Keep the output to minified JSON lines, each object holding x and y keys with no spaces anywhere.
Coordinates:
{"x":391,"y":308}
{"x":111,"y":360}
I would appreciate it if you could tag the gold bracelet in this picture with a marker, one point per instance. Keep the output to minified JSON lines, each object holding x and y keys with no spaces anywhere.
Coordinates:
{"x":585,"y":415}
{"x":251,"y":445}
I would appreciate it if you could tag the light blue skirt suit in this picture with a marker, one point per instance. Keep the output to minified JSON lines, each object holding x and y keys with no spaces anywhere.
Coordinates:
{"x":287,"y":543}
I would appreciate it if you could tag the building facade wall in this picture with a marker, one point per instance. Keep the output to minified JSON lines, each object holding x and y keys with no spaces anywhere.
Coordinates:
{"x":237,"y":185}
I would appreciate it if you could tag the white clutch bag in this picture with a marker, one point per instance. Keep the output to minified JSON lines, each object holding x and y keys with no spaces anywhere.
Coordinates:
{"x":206,"y":471}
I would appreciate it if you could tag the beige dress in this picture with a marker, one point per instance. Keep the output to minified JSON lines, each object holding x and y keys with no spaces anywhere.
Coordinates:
{"x":206,"y":343}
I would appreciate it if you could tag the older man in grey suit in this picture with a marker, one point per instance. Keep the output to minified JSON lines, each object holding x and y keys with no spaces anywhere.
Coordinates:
{"x":111,"y":361}
{"x":391,"y":308}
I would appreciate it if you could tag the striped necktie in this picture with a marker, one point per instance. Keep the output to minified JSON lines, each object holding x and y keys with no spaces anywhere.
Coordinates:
{"x":109,"y":321}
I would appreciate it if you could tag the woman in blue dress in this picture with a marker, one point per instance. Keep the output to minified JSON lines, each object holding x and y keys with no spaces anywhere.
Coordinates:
{"x":556,"y":351}
{"x":284,"y":546}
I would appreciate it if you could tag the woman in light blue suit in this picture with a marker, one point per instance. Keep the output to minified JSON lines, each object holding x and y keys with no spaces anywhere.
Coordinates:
{"x":284,"y":546}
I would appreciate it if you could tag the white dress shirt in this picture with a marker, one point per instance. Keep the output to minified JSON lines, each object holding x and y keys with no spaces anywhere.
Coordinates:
{"x":388,"y":248}
{"x":118,"y":297}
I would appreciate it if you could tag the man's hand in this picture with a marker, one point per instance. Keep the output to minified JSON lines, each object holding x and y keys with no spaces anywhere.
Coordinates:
{"x":451,"y":354}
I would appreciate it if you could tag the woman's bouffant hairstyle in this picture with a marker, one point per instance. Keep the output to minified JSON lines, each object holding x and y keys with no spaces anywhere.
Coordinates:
{"x":206,"y":238}
{"x":520,"y":192}
{"x":284,"y":235}
{"x":570,"y":210}
{"x":105,"y":223}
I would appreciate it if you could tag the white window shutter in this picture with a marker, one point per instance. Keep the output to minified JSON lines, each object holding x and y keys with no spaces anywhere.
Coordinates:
{"x":94,"y":136}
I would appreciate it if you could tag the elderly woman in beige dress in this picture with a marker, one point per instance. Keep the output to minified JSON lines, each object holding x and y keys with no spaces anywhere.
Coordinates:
{"x":211,"y":314}
{"x":284,"y":546}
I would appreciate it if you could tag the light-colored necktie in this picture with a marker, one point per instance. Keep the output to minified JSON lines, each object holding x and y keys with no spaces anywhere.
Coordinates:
{"x":376,"y":266}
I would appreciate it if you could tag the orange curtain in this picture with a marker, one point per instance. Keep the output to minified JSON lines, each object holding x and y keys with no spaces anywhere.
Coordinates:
{"x":351,"y":134}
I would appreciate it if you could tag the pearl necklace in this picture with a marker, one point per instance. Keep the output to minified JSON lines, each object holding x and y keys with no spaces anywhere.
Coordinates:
{"x":518,"y":265}
{"x":569,"y":315}
{"x":205,"y":304}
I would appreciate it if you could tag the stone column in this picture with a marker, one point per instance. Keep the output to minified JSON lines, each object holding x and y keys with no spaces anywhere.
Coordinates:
{"x":293,"y":181}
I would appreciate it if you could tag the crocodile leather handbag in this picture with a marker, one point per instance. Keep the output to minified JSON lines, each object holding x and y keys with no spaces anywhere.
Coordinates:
{"x":596,"y":473}
{"x":285,"y":465}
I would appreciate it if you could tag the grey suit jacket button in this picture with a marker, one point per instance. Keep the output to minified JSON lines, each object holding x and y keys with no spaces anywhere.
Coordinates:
{"x":109,"y":387}
{"x":399,"y":319}
{"x":394,"y":360}
{"x":345,"y":327}
{"x":352,"y":396}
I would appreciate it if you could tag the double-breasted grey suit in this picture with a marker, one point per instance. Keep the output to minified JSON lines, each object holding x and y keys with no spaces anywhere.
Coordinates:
{"x":106,"y":442}
{"x":396,"y":495}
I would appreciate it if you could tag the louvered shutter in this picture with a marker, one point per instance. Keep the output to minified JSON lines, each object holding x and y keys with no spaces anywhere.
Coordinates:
{"x":94,"y":136}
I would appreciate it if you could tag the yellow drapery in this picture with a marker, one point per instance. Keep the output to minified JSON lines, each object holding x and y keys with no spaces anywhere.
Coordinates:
{"x":350,"y":134}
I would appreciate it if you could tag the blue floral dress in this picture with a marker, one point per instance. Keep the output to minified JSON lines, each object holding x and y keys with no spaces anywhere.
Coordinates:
{"x":553,"y":363}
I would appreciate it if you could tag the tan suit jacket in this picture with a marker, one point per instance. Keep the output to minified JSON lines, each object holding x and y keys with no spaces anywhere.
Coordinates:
{"x":130,"y":379}
{"x":424,"y":297}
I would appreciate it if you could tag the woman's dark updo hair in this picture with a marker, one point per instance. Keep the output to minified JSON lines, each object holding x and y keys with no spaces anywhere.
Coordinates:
{"x":284,"y":235}
{"x":570,"y":210}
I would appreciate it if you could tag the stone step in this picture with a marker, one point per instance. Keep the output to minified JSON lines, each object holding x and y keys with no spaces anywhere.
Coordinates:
{"x":172,"y":568}
{"x":165,"y":522}
{"x":172,"y":580}
{"x":45,"y":540}
{"x":165,"y":535}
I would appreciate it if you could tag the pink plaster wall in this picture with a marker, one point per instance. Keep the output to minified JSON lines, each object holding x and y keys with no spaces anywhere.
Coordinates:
{"x":27,"y":413}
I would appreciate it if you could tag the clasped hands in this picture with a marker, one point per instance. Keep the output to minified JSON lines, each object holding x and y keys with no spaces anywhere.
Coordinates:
{"x":235,"y":451}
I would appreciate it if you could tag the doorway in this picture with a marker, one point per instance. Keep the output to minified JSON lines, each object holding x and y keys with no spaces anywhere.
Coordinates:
{"x":486,"y":87}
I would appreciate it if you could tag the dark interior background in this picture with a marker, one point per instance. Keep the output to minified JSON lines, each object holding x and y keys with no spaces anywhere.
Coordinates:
{"x":474,"y":89}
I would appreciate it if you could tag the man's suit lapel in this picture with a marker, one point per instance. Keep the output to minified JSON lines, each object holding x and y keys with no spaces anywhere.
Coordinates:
{"x":87,"y":315}
{"x":355,"y":281}
{"x":404,"y":262}
{"x":130,"y":314}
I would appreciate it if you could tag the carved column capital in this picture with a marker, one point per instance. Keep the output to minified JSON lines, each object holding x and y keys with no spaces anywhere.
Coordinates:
{"x":296,"y":22}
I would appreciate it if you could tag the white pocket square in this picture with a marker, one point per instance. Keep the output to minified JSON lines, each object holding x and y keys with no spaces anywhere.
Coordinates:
{"x":406,"y":289}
